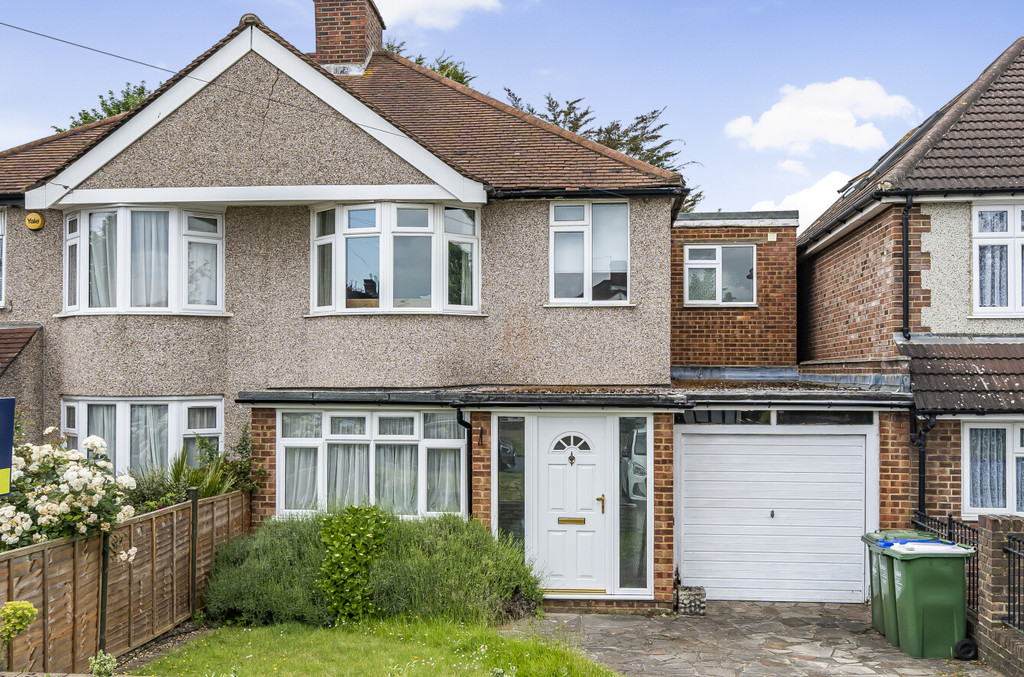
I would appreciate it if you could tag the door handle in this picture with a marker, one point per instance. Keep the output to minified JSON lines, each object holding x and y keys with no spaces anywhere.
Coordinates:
{"x":601,"y":498}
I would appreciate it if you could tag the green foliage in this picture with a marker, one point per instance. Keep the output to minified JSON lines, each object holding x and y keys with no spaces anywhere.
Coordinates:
{"x":353,"y":539}
{"x":451,"y":568}
{"x":102,"y":665}
{"x":239,"y":464}
{"x":443,"y":65}
{"x":111,"y":104}
{"x":210,"y":476}
{"x":15,"y":617}
{"x":271,"y":577}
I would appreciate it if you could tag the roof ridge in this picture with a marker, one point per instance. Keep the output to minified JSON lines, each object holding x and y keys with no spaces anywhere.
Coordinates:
{"x":60,"y":135}
{"x":636,"y":163}
{"x":904,"y":165}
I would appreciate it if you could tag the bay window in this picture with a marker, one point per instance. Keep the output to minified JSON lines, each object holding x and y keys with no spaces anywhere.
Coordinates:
{"x":389,"y":257}
{"x":412,"y":463}
{"x":589,"y":259}
{"x":998,"y":249}
{"x":133,"y":259}
{"x":144,"y":433}
{"x":720,"y":275}
{"x":993,"y":468}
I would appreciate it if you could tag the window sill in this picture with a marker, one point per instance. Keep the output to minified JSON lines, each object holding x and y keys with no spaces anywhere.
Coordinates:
{"x":405,"y":312}
{"x":157,"y":313}
{"x":720,"y":305}
{"x":609,"y":304}
{"x":994,"y":316}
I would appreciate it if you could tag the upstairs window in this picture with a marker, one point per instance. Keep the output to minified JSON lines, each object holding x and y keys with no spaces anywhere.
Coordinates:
{"x":3,"y":256}
{"x":998,"y":239}
{"x":720,"y":275}
{"x":390,"y":257}
{"x":125,"y":259}
{"x":589,"y":244}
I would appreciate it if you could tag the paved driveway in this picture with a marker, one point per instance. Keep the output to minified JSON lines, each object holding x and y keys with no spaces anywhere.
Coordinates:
{"x":748,"y":639}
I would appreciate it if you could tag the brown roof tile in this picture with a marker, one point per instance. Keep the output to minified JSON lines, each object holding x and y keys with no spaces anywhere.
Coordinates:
{"x":480,"y":137}
{"x":12,"y":341}
{"x":24,"y":166}
{"x":967,"y":377}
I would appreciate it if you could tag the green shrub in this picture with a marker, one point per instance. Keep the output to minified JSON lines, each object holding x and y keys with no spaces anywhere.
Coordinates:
{"x":353,"y":539}
{"x":448,"y":567}
{"x":271,"y":577}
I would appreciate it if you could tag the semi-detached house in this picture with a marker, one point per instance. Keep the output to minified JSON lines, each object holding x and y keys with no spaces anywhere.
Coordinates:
{"x":422,"y":298}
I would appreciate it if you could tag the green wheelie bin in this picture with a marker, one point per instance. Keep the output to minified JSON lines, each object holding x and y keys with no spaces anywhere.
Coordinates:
{"x":931,"y":597}
{"x":883,"y":594}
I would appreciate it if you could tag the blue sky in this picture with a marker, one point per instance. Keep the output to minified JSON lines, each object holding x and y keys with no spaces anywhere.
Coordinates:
{"x":773,"y":98}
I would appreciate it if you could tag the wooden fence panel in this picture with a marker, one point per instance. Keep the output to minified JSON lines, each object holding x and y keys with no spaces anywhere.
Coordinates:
{"x":145,"y":598}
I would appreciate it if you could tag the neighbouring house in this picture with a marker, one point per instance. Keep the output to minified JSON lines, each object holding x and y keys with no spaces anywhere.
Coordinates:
{"x":422,"y":298}
{"x":916,"y":275}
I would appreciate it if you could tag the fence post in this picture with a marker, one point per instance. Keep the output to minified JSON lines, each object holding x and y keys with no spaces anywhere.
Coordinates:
{"x":949,"y":528}
{"x":193,"y":497}
{"x":104,"y":575}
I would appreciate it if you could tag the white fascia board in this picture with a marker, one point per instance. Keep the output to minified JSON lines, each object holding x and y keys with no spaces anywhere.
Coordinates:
{"x":456,"y":186}
{"x":460,"y":187}
{"x":47,"y":195}
{"x":255,"y":195}
{"x":845,"y":228}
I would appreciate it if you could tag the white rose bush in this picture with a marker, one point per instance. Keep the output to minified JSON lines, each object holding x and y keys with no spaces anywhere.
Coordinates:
{"x":58,"y":492}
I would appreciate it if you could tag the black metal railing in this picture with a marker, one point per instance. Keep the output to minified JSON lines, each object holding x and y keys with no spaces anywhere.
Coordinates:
{"x":954,"y":530}
{"x":1014,"y":550}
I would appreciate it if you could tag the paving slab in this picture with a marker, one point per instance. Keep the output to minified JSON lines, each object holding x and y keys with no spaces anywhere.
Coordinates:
{"x":745,"y":639}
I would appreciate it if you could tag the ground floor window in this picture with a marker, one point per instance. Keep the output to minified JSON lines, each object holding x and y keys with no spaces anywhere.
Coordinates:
{"x":144,"y":433}
{"x":410,"y":462}
{"x":993,"y":467}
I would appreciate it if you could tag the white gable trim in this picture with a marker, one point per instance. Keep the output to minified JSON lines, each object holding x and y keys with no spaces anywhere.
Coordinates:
{"x":456,"y":186}
{"x":256,"y":194}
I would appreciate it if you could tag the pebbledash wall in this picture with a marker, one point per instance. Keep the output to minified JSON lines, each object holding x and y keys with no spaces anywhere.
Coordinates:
{"x":264,"y":436}
{"x":764,"y":335}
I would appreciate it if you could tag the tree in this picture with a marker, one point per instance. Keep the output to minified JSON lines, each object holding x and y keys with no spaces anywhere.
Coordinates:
{"x":641,"y":138}
{"x":442,"y":65}
{"x":111,"y":104}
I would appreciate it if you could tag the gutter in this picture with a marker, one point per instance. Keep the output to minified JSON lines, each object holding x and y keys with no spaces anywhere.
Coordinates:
{"x":533,"y":193}
{"x":917,"y":436}
{"x":464,"y":422}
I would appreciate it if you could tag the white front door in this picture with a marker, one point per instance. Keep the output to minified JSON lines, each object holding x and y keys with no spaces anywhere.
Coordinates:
{"x":572,"y":538}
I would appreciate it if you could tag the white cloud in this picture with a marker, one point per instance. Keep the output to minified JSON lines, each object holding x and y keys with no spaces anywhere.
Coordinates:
{"x":811,"y":202}
{"x":837,"y":113}
{"x":443,"y":14}
{"x":794,"y":166}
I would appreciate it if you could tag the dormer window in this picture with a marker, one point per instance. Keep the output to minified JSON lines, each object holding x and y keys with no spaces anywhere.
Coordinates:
{"x":143,"y":260}
{"x":998,"y":235}
{"x":388,"y":257}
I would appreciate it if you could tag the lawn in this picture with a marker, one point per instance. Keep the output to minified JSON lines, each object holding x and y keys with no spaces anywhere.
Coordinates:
{"x":374,"y":648}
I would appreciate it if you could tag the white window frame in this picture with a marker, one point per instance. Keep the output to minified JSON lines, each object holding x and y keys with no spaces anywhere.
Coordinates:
{"x":1013,"y":240}
{"x":1014,"y":450}
{"x":585,"y":226}
{"x":177,"y":261}
{"x":386,"y":230}
{"x":718,"y":266}
{"x":177,"y":422}
{"x":3,"y":256}
{"x":371,"y":438}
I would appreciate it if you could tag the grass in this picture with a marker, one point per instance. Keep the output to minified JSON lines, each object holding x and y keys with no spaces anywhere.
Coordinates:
{"x":372,"y":648}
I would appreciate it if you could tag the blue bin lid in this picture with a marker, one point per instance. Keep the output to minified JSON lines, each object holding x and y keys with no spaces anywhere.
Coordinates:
{"x":903,"y":541}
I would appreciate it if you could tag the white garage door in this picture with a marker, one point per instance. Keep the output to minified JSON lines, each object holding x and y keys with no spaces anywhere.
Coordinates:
{"x":773,"y":517}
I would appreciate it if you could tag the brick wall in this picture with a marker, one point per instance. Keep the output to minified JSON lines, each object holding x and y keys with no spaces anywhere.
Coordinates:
{"x":481,"y":467}
{"x":897,"y":499}
{"x":663,"y":508}
{"x":263,"y":425}
{"x":347,"y":31}
{"x":756,"y":336}
{"x":999,"y":646}
{"x":942,"y":469}
{"x":851,"y":293}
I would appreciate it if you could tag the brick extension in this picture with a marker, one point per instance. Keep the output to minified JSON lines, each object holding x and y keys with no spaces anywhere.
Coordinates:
{"x":264,"y":453}
{"x":754,"y":336}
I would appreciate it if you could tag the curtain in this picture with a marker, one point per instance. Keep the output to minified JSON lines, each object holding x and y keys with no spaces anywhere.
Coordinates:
{"x":443,"y":480}
{"x":300,"y":478}
{"x":102,"y":422}
{"x":396,"y":483}
{"x":148,"y":436}
{"x":348,"y":474}
{"x":72,"y":281}
{"x":396,"y":425}
{"x":324,"y":269}
{"x":149,"y":259}
{"x":348,"y":425}
{"x":202,"y":273}
{"x":441,"y":426}
{"x":992,"y":276}
{"x":1020,"y":484}
{"x":300,"y":424}
{"x":988,"y":468}
{"x":202,"y":418}
{"x":103,"y":260}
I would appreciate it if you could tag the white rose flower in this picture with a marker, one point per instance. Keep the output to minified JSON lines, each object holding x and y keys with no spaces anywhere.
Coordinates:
{"x":126,"y":482}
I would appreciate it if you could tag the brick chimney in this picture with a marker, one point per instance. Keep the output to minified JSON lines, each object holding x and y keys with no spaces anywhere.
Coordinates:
{"x":347,"y":31}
